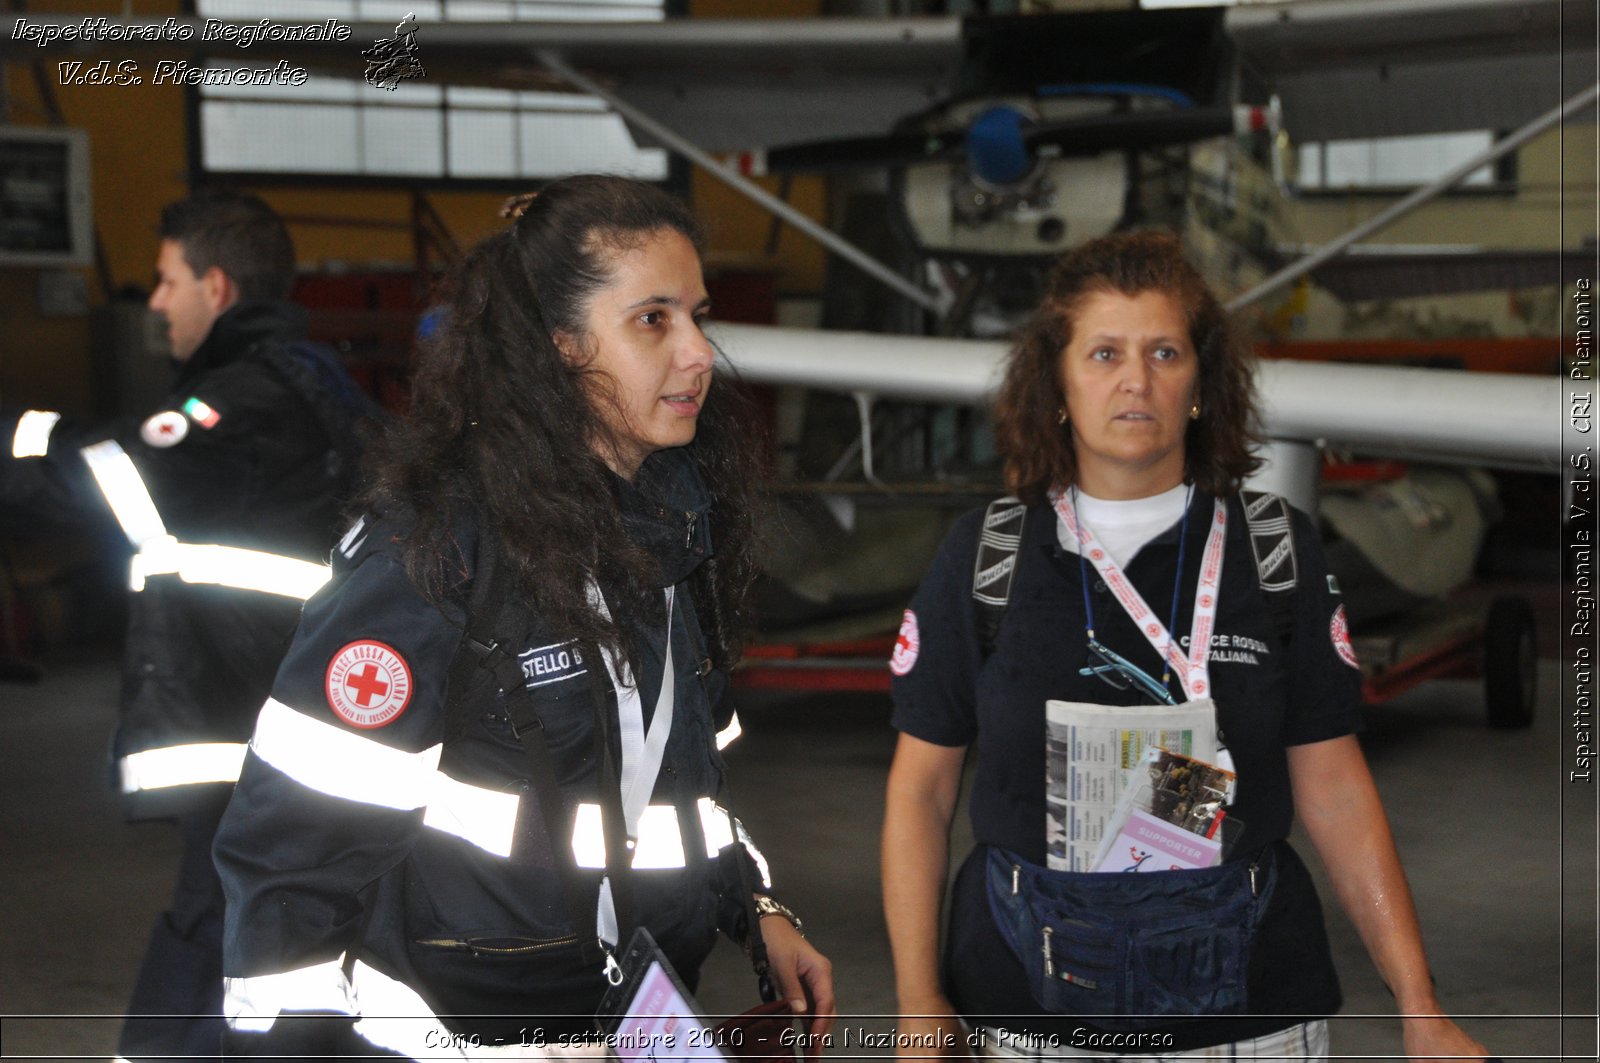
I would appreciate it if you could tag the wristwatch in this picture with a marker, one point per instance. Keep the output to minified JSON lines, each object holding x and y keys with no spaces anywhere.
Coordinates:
{"x":766,"y":906}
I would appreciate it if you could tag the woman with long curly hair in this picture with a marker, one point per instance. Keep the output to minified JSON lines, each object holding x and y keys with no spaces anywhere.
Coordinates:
{"x":1135,"y":572}
{"x":492,"y":750}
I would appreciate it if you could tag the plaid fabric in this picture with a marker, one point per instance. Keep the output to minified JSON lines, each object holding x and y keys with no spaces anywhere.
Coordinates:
{"x":1308,"y":1041}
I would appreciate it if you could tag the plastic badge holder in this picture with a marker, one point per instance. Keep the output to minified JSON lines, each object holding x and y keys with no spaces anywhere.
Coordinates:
{"x":1170,"y":817}
{"x":651,"y":1015}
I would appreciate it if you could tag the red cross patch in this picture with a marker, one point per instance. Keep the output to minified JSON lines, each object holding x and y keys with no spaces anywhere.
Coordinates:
{"x":1339,"y":631}
{"x":906,"y":645}
{"x":368,"y":684}
{"x":164,"y":429}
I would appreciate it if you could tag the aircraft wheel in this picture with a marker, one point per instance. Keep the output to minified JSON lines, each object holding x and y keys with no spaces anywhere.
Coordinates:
{"x":1510,"y":660}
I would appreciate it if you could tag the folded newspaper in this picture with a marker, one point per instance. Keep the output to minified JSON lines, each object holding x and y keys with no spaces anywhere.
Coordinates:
{"x":1091,"y":753}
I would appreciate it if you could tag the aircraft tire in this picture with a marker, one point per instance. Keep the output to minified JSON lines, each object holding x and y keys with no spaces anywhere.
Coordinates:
{"x":1510,"y":662}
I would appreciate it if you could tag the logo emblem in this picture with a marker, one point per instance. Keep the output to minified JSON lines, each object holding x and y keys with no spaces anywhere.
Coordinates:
{"x":906,"y":645}
{"x":1339,"y":630}
{"x":164,"y":429}
{"x":368,"y":684}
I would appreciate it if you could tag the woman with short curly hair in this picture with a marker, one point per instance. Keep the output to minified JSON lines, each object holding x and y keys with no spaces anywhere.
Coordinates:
{"x":1130,"y":570}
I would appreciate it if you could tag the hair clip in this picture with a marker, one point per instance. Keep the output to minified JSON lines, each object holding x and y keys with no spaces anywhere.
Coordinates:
{"x":517,"y":205}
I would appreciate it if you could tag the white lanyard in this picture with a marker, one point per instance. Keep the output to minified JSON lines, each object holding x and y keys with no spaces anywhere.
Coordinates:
{"x":642,"y":751}
{"x":1193,"y":672}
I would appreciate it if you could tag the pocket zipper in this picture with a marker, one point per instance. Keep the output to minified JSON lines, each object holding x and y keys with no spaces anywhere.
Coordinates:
{"x":464,"y":945}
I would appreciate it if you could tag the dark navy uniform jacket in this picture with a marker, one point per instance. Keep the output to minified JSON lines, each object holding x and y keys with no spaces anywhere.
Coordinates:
{"x":376,"y":866}
{"x":250,"y":455}
{"x":1269,"y":696}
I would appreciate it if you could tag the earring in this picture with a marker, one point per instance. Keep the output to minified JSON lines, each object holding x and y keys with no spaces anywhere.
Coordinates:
{"x":1061,"y":415}
{"x":1194,"y":412}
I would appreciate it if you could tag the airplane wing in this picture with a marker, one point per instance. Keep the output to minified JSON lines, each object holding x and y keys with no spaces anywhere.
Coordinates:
{"x":726,"y":83}
{"x":1367,"y":68}
{"x":1420,"y":414}
{"x":1396,"y":271}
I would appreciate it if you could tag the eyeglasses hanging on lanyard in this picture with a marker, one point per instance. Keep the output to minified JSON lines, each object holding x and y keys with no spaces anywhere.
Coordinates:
{"x":1190,"y":669}
{"x":1111,"y":667}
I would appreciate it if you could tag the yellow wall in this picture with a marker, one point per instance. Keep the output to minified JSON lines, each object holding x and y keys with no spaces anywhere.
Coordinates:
{"x":138,"y":149}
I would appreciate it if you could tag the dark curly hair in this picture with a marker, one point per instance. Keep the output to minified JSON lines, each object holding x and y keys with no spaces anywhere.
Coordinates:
{"x":1038,"y":453}
{"x":501,"y":424}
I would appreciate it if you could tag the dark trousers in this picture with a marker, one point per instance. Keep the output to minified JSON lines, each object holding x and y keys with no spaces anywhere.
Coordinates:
{"x":176,"y":1010}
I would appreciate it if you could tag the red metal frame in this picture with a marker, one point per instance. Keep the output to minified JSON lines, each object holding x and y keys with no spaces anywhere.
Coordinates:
{"x":1457,"y":657}
{"x":850,"y":666}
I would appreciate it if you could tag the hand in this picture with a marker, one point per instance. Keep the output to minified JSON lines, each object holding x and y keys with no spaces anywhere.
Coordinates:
{"x":802,"y":975}
{"x":1438,"y":1039}
{"x":930,"y":1029}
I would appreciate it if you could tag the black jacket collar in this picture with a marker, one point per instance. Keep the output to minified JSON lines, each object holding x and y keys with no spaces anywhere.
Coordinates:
{"x":666,"y":510}
{"x":240,"y":328}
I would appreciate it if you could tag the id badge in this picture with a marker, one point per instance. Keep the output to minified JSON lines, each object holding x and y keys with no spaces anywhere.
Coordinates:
{"x":650,"y":1015}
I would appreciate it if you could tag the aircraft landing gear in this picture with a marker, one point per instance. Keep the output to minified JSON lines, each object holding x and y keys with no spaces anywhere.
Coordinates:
{"x":1510,"y":675}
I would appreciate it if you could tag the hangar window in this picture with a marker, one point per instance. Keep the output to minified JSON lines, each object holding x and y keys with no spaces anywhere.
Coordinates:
{"x":341,"y":126}
{"x":1391,"y":163}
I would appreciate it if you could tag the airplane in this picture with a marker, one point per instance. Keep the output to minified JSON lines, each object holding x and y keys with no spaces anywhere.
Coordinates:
{"x":991,"y":174}
{"x":1029,"y":132}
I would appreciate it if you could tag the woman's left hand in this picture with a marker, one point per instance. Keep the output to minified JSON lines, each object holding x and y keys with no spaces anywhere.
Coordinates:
{"x":1439,"y":1039}
{"x":801,"y":975}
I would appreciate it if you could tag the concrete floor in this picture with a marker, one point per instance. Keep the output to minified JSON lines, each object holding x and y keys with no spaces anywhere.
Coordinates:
{"x":1484,"y":819}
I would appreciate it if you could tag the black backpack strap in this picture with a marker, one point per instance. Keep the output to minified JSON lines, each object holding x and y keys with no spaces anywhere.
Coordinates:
{"x":481,"y":648}
{"x":318,"y":376}
{"x":995,"y":566}
{"x":1271,"y":527}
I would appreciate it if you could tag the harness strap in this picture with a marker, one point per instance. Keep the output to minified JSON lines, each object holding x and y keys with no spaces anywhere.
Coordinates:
{"x":1271,"y":541}
{"x":1277,"y":568}
{"x":995,"y":568}
{"x":480,"y":648}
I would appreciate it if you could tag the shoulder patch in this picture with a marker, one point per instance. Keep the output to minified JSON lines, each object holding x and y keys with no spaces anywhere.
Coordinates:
{"x":368,"y":684}
{"x":906,"y":645}
{"x":164,"y":429}
{"x":203,"y":415}
{"x":1339,"y":631}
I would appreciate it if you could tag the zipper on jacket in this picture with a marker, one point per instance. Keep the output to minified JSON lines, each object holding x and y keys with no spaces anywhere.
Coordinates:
{"x":688,"y":530}
{"x":468,"y":945}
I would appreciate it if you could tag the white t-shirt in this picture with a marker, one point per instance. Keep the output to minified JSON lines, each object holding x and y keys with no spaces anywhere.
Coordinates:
{"x":1123,"y":526}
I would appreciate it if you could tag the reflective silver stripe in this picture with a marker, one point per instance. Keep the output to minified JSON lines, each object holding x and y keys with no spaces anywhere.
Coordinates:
{"x":160,"y":554}
{"x":32,"y":438}
{"x":124,"y":490}
{"x":227,"y":566}
{"x":330,"y":760}
{"x":714,"y":823}
{"x":251,"y":1005}
{"x":729,"y":734}
{"x":353,"y":539}
{"x":659,"y":844}
{"x":394,"y":1017}
{"x":486,"y":818}
{"x":341,"y":764}
{"x":187,"y":765}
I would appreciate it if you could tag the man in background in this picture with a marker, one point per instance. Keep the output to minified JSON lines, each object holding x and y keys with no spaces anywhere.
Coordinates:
{"x":229,"y":496}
